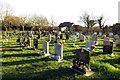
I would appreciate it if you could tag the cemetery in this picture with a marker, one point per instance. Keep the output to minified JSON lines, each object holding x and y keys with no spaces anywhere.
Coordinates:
{"x":34,"y":46}
{"x":38,"y":57}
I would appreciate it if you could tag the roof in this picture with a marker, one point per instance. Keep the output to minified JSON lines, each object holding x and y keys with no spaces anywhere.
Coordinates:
{"x":68,"y":24}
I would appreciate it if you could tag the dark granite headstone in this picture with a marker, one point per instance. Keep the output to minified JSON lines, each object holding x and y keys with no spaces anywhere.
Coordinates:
{"x":67,"y":36}
{"x":18,"y":40}
{"x":108,"y":47}
{"x":81,"y":62}
{"x":38,"y":37}
{"x":56,"y":35}
{"x":61,"y":36}
{"x":35,"y":43}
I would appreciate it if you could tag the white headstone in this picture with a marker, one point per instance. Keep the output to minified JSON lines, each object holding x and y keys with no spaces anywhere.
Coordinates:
{"x":45,"y":48}
{"x":58,"y":50}
{"x":95,"y":33}
{"x":74,"y":37}
{"x":90,"y":45}
{"x":87,"y":37}
{"x":118,"y":42}
{"x":116,"y":36}
{"x":59,"y":33}
{"x":111,"y":34}
{"x":100,"y":34}
{"x":77,"y":33}
{"x":82,"y":37}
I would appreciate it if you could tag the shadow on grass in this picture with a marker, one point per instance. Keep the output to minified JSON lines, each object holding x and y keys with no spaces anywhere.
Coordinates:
{"x":99,"y":45}
{"x":99,"y":48}
{"x":54,"y":74}
{"x":97,"y":53}
{"x":69,"y":57}
{"x":24,"y":61}
{"x":112,"y":61}
{"x":19,"y":55}
{"x":116,"y":50}
{"x":73,"y":51}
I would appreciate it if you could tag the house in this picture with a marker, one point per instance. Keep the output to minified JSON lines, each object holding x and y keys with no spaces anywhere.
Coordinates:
{"x":66,"y":26}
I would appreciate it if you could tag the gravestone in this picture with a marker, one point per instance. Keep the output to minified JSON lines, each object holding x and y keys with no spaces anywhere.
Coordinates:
{"x":74,"y":38}
{"x":58,"y":52}
{"x":59,"y":32}
{"x":82,"y":38}
{"x":38,"y":37}
{"x":104,"y":35}
{"x":108,"y":47}
{"x":49,"y":38}
{"x":56,"y":35}
{"x":53,"y":33}
{"x":90,"y":46}
{"x":100,"y":34}
{"x":81,"y":63}
{"x":94,"y":38}
{"x":61,"y":36}
{"x":118,"y":42}
{"x":35,"y":43}
{"x":106,"y":39}
{"x":67,"y":36}
{"x":77,"y":33}
{"x":87,"y":37}
{"x":111,"y":34}
{"x":116,"y":37}
{"x":45,"y":51}
{"x":54,"y":40}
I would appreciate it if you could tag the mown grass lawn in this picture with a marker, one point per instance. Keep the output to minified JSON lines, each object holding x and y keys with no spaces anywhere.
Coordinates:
{"x":24,"y":63}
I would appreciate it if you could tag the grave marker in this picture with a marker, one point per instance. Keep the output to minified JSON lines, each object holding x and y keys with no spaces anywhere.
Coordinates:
{"x":82,"y":38}
{"x":81,"y":63}
{"x":61,"y":36}
{"x":35,"y":43}
{"x":45,"y":51}
{"x":118,"y":42}
{"x":94,"y":38}
{"x":108,"y":47}
{"x":49,"y":38}
{"x":67,"y":36}
{"x":58,"y":50}
{"x":90,"y":46}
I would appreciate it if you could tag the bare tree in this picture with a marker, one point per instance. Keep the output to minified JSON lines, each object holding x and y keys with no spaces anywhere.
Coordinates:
{"x":87,"y":19}
{"x":92,"y":23}
{"x":101,"y":21}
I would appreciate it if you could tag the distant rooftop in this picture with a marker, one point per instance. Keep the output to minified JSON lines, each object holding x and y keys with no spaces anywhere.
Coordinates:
{"x":68,"y":24}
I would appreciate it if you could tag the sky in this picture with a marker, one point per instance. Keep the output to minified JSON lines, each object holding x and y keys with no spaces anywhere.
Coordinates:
{"x":65,"y":10}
